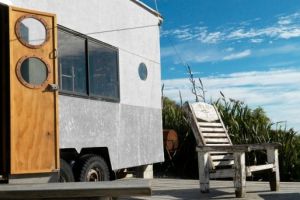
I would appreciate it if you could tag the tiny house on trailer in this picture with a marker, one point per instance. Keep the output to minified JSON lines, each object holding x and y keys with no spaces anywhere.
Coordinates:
{"x":80,"y":84}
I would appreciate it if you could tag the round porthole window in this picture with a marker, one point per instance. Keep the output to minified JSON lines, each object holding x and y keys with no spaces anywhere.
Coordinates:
{"x":143,"y":72}
{"x":32,"y":72}
{"x":32,"y":31}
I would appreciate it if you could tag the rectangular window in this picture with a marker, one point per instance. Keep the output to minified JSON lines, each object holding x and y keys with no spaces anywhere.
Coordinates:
{"x":87,"y":67}
{"x":103,"y":71}
{"x":72,"y":63}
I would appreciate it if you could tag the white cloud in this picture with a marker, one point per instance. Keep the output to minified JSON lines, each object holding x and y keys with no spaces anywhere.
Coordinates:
{"x":284,"y":49}
{"x":256,"y":40}
{"x":183,"y":34}
{"x":285,"y":27}
{"x":284,"y":21}
{"x":229,"y":49}
{"x":238,"y":55}
{"x":241,"y":34}
{"x":286,"y":34}
{"x":193,"y":52}
{"x":276,"y":91}
{"x":288,"y":19}
{"x":210,"y":38}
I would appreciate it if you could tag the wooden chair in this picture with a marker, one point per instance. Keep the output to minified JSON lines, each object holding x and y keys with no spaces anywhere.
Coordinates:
{"x":218,"y":157}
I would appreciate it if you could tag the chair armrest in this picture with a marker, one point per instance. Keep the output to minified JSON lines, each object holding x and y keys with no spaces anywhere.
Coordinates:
{"x":238,"y":148}
{"x":263,"y":146}
{"x":229,"y":149}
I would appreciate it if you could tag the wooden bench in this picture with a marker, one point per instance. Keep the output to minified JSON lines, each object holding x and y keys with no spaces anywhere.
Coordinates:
{"x":77,"y":190}
{"x":219,"y":158}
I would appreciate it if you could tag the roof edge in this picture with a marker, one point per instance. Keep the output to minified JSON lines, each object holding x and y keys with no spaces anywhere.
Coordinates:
{"x":151,"y":10}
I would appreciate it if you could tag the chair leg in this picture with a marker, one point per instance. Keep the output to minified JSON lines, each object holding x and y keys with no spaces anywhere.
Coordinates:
{"x":274,"y":175}
{"x":203,"y":171}
{"x":240,"y":174}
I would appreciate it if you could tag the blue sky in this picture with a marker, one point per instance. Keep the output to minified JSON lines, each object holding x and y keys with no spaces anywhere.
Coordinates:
{"x":248,"y":49}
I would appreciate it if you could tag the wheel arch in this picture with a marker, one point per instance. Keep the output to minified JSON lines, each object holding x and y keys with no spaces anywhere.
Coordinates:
{"x":100,"y":151}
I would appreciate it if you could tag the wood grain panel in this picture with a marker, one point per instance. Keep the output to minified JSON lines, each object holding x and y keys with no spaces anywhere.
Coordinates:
{"x":34,"y":133}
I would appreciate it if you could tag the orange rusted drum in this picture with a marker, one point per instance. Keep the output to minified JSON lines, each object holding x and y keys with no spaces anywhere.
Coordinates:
{"x":170,"y":140}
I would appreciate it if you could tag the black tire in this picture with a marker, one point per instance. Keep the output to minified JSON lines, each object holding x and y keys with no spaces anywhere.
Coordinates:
{"x":92,"y":168}
{"x":65,"y":173}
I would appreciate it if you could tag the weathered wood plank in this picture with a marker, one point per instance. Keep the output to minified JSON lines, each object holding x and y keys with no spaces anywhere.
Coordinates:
{"x":262,"y":146}
{"x":218,"y":135}
{"x":233,"y":148}
{"x":240,"y":175}
{"x":218,"y":130}
{"x":222,"y":157}
{"x":209,"y":124}
{"x":204,"y":111}
{"x":193,"y":122}
{"x":216,"y":140}
{"x":256,"y":168}
{"x":203,"y":165}
{"x":223,"y":163}
{"x":76,"y":189}
{"x":218,"y":152}
{"x":218,"y":145}
{"x":272,"y":155}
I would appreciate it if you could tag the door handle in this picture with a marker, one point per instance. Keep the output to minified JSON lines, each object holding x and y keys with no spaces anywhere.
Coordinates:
{"x":53,"y":87}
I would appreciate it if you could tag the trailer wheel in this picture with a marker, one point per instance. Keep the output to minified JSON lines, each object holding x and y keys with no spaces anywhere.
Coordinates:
{"x":66,"y":173}
{"x":93,"y":168}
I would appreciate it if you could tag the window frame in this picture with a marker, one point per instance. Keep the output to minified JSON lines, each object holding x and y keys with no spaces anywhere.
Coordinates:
{"x":88,"y":94}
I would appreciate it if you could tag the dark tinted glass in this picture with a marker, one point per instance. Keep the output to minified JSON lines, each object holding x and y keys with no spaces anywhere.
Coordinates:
{"x":34,"y":71}
{"x":143,"y":72}
{"x":103,"y":62}
{"x":72,"y":63}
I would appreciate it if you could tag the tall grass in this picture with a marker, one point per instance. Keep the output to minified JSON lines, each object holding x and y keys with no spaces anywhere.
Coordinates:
{"x":245,"y":126}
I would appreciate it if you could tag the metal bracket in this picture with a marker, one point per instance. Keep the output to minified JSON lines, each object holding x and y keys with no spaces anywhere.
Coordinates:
{"x":53,"y":87}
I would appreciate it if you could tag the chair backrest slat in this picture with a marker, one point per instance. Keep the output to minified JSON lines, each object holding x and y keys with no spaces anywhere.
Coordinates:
{"x":210,"y":124}
{"x":217,"y":135}
{"x":223,"y":163}
{"x":209,"y":128}
{"x":217,"y":140}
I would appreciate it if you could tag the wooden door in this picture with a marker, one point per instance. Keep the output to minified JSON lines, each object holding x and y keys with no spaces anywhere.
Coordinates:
{"x":33,"y":92}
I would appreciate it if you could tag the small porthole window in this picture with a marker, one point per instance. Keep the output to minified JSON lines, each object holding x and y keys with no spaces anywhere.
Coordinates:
{"x":32,"y":31}
{"x":143,"y":72}
{"x":32,"y":72}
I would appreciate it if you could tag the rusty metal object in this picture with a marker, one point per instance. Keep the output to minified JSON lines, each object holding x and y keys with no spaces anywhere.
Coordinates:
{"x":171,"y":142}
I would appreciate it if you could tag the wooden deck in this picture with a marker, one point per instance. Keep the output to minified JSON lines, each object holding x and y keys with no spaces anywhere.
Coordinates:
{"x":173,"y":189}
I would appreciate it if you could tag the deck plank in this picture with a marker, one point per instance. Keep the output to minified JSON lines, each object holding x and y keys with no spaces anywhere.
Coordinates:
{"x":171,"y":189}
{"x":82,"y":190}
